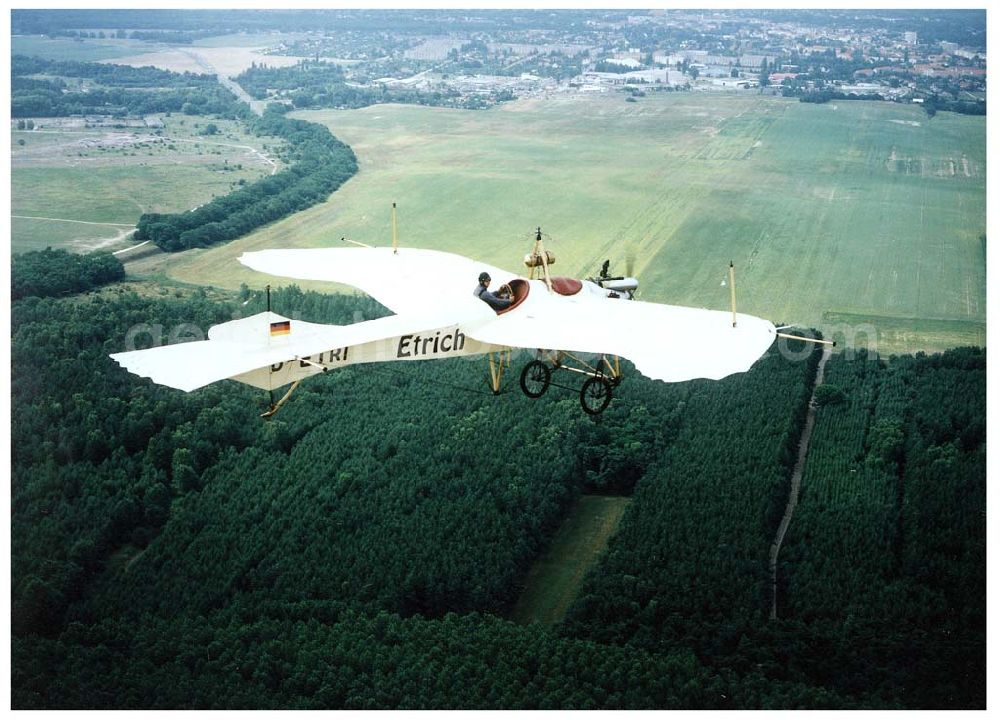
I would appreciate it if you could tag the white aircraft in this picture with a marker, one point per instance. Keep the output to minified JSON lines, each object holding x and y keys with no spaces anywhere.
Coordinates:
{"x":437,"y":315}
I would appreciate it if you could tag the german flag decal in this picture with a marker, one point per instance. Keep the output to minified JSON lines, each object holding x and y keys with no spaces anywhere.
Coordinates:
{"x":281,"y":328}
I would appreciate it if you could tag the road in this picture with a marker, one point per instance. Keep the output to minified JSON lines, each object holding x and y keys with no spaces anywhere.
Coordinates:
{"x":793,"y":495}
{"x":256,"y":105}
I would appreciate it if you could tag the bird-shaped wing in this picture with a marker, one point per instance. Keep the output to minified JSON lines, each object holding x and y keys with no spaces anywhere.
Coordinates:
{"x":405,"y":281}
{"x":665,"y":342}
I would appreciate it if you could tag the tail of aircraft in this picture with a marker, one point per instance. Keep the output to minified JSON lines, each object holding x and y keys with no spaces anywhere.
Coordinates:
{"x":233,"y":348}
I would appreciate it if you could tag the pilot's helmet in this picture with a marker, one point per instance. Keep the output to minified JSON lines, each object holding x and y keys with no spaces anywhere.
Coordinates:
{"x":484,"y":277}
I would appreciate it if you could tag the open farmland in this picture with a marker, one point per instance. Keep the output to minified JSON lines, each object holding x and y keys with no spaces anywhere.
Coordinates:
{"x":65,"y":48}
{"x":863,"y":219}
{"x":82,"y":187}
{"x":230,"y":54}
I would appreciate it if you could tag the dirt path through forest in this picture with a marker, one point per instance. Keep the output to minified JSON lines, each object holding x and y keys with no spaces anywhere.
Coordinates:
{"x":793,"y":495}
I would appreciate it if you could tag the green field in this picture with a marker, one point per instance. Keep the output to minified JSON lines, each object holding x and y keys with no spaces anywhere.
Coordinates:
{"x":89,"y":50}
{"x":76,"y":187}
{"x":246,"y":40}
{"x":553,"y":582}
{"x":861,"y":207}
{"x":77,"y":236}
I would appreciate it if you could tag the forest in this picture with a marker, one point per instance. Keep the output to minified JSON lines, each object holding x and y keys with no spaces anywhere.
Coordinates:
{"x":51,"y":273}
{"x":320,"y":164}
{"x":308,"y":83}
{"x":882,"y":582}
{"x":318,"y":84}
{"x":39,"y":88}
{"x":363,"y":548}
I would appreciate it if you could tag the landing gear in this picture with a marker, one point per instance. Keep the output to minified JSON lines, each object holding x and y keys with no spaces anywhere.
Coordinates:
{"x":274,"y":407}
{"x":535,"y":379}
{"x":595,"y":395}
{"x":597,"y":390}
{"x":497,"y":362}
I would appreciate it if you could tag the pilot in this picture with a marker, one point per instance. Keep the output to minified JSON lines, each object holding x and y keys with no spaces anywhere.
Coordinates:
{"x":482,"y":292}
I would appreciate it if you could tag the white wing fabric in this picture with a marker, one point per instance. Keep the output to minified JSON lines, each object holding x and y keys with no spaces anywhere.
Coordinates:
{"x":665,"y":342}
{"x":431,"y":293}
{"x":410,"y":280}
{"x":237,"y":348}
{"x":232,"y":348}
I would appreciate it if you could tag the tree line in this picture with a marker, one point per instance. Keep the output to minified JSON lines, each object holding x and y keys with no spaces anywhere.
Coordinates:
{"x":109,"y":74}
{"x":931,"y":104}
{"x":316,"y":84}
{"x":111,"y":90}
{"x":320,"y":164}
{"x":50,"y":273}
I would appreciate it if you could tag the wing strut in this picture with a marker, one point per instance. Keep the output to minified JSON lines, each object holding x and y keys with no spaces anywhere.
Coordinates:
{"x":276,"y":406}
{"x":497,"y":360}
{"x":395,"y":244}
{"x":732,"y":289}
{"x":831,"y":343}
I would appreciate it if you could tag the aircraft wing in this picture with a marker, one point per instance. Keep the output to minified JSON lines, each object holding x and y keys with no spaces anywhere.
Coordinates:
{"x":433,"y":290}
{"x":236,"y":349}
{"x":409,"y":280}
{"x":665,"y":342}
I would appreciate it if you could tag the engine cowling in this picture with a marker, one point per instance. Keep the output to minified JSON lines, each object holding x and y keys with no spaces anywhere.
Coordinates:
{"x":626,"y":285}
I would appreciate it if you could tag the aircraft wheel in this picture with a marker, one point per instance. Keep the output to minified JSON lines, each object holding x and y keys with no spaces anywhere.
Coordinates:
{"x":535,"y":378}
{"x":595,"y":395}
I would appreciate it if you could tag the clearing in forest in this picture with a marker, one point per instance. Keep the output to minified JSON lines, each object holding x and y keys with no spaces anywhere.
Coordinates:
{"x":555,"y":578}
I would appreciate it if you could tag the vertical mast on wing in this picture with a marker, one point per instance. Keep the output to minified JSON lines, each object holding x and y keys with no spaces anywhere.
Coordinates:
{"x":540,"y":258}
{"x":395,"y":245}
{"x":732,"y":289}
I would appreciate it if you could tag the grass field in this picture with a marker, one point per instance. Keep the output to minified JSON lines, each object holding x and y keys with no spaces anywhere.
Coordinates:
{"x":554,"y":580}
{"x":64,"y":48}
{"x":247,"y":40}
{"x":38,"y":234}
{"x":72,"y":186}
{"x":867,"y":208}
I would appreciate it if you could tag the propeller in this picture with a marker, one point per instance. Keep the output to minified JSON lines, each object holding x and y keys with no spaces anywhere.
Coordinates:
{"x":618,"y":286}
